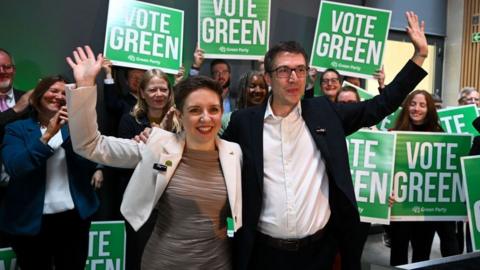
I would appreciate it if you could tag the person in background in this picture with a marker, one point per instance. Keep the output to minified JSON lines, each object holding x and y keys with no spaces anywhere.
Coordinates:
{"x":347,"y":94}
{"x":331,"y":82}
{"x":154,"y":108}
{"x":13,"y":106}
{"x":192,"y":178}
{"x":469,"y":95}
{"x":419,"y":114}
{"x":50,"y":196}
{"x":220,"y":71}
{"x":253,"y":90}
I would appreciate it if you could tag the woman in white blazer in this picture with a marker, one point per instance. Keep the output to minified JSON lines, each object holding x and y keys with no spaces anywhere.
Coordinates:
{"x":192,"y":178}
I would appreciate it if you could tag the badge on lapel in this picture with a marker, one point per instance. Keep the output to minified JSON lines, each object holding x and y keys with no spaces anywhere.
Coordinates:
{"x":162,"y":167}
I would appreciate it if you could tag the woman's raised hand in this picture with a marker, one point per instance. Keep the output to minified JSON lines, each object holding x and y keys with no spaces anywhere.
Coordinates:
{"x":85,"y":66}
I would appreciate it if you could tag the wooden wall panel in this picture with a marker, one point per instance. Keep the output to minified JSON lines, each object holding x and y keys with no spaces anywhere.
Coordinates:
{"x":470,"y":74}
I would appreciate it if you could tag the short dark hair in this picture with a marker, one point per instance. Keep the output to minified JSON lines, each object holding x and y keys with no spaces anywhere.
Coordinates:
{"x":186,"y":86}
{"x":348,"y":89}
{"x":219,"y":61}
{"x":340,"y":78}
{"x":42,"y":87}
{"x":286,"y":46}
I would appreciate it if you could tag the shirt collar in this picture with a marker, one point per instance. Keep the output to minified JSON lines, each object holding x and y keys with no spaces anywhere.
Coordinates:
{"x":9,"y":94}
{"x":269,"y":112}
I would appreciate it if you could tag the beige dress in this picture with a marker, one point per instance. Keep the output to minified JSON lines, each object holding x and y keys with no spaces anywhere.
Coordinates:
{"x":190,"y":231}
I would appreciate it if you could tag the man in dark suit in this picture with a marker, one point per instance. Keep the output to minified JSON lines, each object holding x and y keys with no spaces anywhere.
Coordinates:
{"x":299,"y":206}
{"x":13,"y":106}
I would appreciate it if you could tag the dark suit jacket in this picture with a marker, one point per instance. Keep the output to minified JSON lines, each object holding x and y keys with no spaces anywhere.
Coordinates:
{"x":10,"y":115}
{"x":25,"y":158}
{"x":328,"y":124}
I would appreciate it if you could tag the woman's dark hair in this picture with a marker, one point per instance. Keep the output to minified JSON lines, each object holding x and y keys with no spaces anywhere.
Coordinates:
{"x":340,"y":78}
{"x":244,"y":85}
{"x":191,"y":84}
{"x":42,"y":87}
{"x":431,"y":122}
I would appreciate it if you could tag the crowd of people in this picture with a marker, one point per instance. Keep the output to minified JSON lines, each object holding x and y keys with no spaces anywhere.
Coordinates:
{"x":272,"y":191}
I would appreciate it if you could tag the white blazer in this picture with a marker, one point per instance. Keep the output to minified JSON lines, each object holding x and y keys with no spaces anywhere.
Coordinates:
{"x":147,"y":184}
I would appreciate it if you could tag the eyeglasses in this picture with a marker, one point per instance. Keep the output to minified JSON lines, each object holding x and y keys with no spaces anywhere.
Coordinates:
{"x":218,"y":73}
{"x":286,"y":72}
{"x":333,"y":80}
{"x":7,"y":67}
{"x":472,"y":99}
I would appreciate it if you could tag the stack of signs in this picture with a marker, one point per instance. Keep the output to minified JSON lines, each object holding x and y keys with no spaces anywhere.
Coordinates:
{"x":233,"y":29}
{"x":471,"y":181}
{"x":371,"y":155}
{"x":428,"y":177}
{"x":350,"y":39}
{"x":459,"y":119}
{"x":145,"y":36}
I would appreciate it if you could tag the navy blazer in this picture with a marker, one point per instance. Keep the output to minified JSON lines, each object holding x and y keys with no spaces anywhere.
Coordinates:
{"x":328,"y":123}
{"x":25,"y":158}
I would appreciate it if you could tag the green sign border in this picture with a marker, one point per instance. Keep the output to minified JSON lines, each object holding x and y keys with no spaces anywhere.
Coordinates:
{"x":235,"y":56}
{"x":342,"y":72}
{"x":140,"y":66}
{"x":471,"y":217}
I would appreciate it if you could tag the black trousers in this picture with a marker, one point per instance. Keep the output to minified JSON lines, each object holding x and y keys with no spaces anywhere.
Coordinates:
{"x":417,"y":233}
{"x":317,"y":255}
{"x":62,"y":243}
{"x":137,"y":240}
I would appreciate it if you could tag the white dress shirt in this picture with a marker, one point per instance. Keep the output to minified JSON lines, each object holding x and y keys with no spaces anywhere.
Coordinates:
{"x":295,"y":183}
{"x":4,"y":177}
{"x":57,"y":191}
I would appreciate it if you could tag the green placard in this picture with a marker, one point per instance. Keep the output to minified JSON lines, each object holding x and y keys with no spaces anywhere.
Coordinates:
{"x":145,"y":36}
{"x":388,"y":122}
{"x":428,"y":177}
{"x":8,"y":260}
{"x":371,"y":155}
{"x":234,"y":29}
{"x":350,"y":39}
{"x":106,"y":248}
{"x":459,"y":119}
{"x":471,"y":181}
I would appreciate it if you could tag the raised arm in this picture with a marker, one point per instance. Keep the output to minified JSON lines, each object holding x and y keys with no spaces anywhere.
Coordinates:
{"x":86,"y":139}
{"x":416,"y":32}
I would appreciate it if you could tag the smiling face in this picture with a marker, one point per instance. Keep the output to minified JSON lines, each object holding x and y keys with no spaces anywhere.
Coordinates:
{"x":417,"y":109}
{"x":201,"y":117}
{"x":7,"y":72}
{"x":257,"y":90}
{"x":330,"y":84}
{"x":53,"y":99}
{"x":286,"y":91}
{"x":156,"y":93}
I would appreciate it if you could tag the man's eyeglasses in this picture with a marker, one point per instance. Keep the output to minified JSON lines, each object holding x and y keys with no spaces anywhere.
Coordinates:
{"x":219,"y":73}
{"x":7,"y":67}
{"x":333,"y":80}
{"x":472,"y":99}
{"x":286,"y":72}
